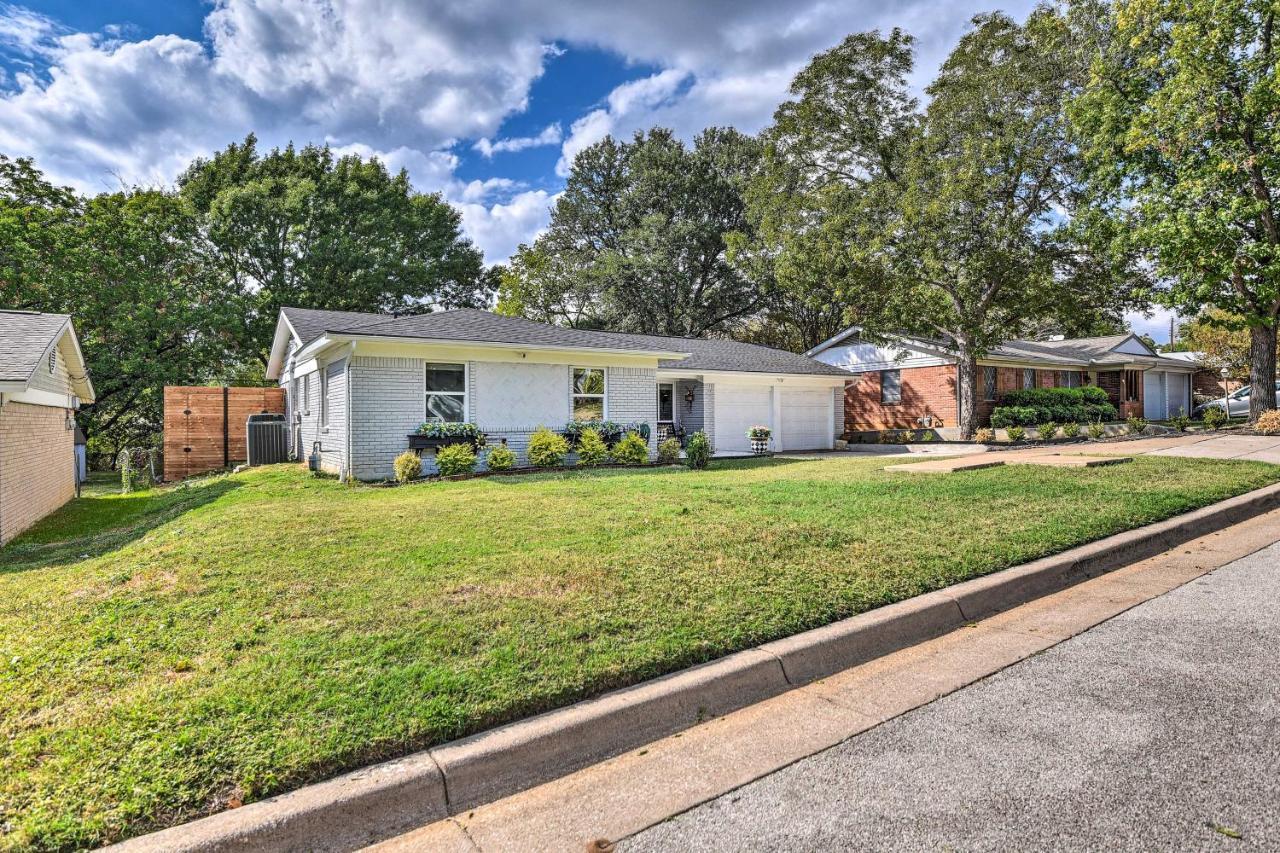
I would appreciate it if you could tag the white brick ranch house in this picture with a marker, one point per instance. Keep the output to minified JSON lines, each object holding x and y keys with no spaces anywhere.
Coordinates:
{"x":358,"y":384}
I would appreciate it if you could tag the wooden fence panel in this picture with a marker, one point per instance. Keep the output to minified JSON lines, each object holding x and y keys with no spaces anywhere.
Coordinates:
{"x":204,"y":427}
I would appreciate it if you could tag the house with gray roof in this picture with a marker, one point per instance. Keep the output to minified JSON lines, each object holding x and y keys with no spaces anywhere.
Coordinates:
{"x":908,"y":382}
{"x":358,"y":384}
{"x":43,"y":380}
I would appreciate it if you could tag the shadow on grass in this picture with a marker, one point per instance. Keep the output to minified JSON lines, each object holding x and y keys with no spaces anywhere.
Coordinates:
{"x":100,"y":522}
{"x":736,"y":463}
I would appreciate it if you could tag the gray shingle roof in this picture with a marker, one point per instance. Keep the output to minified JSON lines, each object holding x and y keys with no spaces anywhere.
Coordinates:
{"x":25,"y":337}
{"x":469,"y":324}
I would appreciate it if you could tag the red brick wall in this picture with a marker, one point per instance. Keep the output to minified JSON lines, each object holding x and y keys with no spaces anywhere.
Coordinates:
{"x":1047,"y":378}
{"x":1209,"y":383}
{"x":37,"y":458}
{"x":925,"y":391}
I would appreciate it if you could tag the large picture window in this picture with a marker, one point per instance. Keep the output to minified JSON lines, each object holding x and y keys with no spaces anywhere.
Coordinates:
{"x":891,"y":386}
{"x":446,"y":392}
{"x":588,"y":393}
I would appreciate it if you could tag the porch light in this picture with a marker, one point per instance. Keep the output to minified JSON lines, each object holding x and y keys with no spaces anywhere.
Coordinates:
{"x":688,"y":399}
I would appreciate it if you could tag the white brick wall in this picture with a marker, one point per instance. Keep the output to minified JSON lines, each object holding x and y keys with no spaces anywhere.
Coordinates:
{"x":632,"y":396}
{"x":388,"y":401}
{"x":332,"y":440}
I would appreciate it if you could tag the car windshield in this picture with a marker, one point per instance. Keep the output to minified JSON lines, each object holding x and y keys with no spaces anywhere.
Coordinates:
{"x":1243,"y":392}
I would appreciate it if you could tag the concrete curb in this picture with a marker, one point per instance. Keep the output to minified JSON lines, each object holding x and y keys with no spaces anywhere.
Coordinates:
{"x":387,"y":799}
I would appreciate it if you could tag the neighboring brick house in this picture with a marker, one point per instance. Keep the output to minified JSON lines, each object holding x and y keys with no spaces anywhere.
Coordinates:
{"x":358,"y":384}
{"x":43,"y":380}
{"x":904,"y":382}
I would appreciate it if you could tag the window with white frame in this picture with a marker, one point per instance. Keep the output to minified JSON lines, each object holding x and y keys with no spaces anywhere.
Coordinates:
{"x":588,"y":393}
{"x":1028,"y":377}
{"x":306,"y":394}
{"x":446,"y":390}
{"x":324,"y":397}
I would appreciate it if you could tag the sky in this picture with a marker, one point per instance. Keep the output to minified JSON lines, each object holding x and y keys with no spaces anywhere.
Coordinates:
{"x":484,"y":101}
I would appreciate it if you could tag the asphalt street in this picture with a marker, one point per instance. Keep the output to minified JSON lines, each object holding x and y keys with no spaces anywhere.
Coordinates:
{"x":1156,"y":730}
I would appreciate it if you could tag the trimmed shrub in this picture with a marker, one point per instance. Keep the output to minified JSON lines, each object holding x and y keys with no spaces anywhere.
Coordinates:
{"x":408,"y":466}
{"x":697,"y":453}
{"x":1071,"y":429}
{"x":1269,"y":423}
{"x":1047,"y":431}
{"x":546,"y":448}
{"x":1016,"y":433}
{"x":1136,"y":424}
{"x":669,"y":451}
{"x":499,"y":458}
{"x":632,"y":450}
{"x":1096,"y":430}
{"x":455,"y":459}
{"x":1044,"y":397}
{"x":1214,"y":417}
{"x":591,"y":448}
{"x":1030,"y":415}
{"x":986,"y":435}
{"x":1180,"y":421}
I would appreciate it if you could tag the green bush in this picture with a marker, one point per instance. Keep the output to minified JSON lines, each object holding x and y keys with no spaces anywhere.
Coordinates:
{"x":499,"y":458}
{"x":1049,"y":397}
{"x":632,"y":450}
{"x":697,"y":453}
{"x":1136,"y":424}
{"x":986,"y":435}
{"x":408,"y":466}
{"x":591,"y":448}
{"x":1047,"y":431}
{"x":1214,"y":417}
{"x":669,"y":451}
{"x":546,"y":448}
{"x":1030,"y":415}
{"x":1096,"y":430}
{"x":455,"y":459}
{"x":1071,"y":429}
{"x":1180,"y":421}
{"x":442,"y":429}
{"x":1016,"y":433}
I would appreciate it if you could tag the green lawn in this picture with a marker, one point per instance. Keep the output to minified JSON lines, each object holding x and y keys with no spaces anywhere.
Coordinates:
{"x":247,"y":634}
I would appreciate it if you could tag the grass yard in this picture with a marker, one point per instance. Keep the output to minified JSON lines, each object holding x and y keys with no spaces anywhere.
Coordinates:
{"x":167,"y":654}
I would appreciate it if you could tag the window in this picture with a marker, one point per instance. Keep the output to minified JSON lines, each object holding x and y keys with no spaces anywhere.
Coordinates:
{"x":324,"y":397}
{"x":1069,"y":379}
{"x":588,"y":393}
{"x":446,"y":390}
{"x":1132,"y":385}
{"x":1028,"y":378}
{"x":988,"y":383}
{"x":53,"y":359}
{"x":890,"y":386}
{"x":306,"y":394}
{"x":666,"y":402}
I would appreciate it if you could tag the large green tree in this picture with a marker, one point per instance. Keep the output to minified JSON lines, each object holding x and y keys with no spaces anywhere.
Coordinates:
{"x":637,"y":240}
{"x":305,"y":228}
{"x":1182,"y":116}
{"x":951,"y":223}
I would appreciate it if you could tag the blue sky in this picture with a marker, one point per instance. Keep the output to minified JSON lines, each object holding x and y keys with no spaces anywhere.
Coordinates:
{"x":485,"y":101}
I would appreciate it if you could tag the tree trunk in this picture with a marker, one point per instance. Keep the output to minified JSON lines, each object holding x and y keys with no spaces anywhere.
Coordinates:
{"x":967,"y":392}
{"x":1262,"y":369}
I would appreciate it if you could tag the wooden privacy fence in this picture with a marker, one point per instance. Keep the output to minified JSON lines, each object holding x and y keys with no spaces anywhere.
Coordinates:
{"x":204,"y":427}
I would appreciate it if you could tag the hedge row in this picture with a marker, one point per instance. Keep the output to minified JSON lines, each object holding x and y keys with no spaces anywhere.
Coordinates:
{"x":1007,"y":416}
{"x":1054,"y":397}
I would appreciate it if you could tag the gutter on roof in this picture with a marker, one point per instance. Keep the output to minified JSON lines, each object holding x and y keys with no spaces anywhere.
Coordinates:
{"x":338,"y":337}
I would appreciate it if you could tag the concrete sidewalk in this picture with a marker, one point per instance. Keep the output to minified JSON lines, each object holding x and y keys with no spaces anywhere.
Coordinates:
{"x":1157,"y":730}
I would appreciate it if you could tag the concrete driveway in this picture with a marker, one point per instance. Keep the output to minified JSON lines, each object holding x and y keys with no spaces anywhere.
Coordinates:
{"x":1157,"y":730}
{"x":1256,"y":448}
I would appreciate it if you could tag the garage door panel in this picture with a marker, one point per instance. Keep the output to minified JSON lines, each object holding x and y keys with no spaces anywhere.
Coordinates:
{"x":737,"y":409}
{"x":806,"y":419}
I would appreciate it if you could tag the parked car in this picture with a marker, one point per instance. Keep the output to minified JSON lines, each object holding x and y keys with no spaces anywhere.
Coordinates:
{"x":1235,"y":404}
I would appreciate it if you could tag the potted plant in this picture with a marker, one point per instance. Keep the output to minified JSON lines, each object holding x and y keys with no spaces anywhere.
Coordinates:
{"x":759,"y":436}
{"x":435,"y":434}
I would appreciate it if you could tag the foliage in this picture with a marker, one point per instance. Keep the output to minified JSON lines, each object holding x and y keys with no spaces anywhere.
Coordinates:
{"x":1047,"y":431}
{"x":1180,"y":421}
{"x":985,"y":435}
{"x":697,"y":452}
{"x":546,"y":449}
{"x":1135,"y":423}
{"x":444,"y":429}
{"x":1214,"y":418}
{"x":1071,"y":429}
{"x":759,"y":433}
{"x":305,"y":228}
{"x":669,"y":451}
{"x":610,"y":431}
{"x":636,"y":241}
{"x":137,"y":469}
{"x":455,"y":459}
{"x":1181,"y":121}
{"x":1096,"y":430}
{"x":408,"y":466}
{"x":1003,"y":416}
{"x":1016,"y":433}
{"x":499,"y":458}
{"x":1054,"y":396}
{"x":1222,"y":338}
{"x":591,"y":448}
{"x":1268,"y":423}
{"x":949,"y":223}
{"x":631,"y":450}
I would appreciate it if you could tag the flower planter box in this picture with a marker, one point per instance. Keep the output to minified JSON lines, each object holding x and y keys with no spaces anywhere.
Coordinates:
{"x":424,"y":442}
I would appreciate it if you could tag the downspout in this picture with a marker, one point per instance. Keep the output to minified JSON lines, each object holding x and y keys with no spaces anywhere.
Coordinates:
{"x":347,"y":416}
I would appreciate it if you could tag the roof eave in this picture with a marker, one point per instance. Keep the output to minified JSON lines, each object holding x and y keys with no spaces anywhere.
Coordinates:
{"x":337,"y":336}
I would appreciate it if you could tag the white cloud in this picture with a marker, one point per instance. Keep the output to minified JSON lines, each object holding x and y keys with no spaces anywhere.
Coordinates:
{"x":550,"y":135}
{"x":499,"y":228}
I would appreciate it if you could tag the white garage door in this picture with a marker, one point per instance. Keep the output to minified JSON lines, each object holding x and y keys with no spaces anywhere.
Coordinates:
{"x":738,"y":408}
{"x":1154,"y":390}
{"x":806,"y":419}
